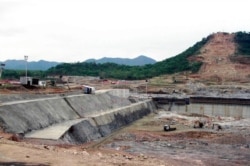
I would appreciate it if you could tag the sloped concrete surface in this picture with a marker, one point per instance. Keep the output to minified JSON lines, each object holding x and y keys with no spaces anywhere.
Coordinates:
{"x":75,"y":118}
{"x":27,"y":116}
{"x":88,"y":105}
{"x":82,"y":132}
{"x":53,"y":132}
{"x":104,"y":123}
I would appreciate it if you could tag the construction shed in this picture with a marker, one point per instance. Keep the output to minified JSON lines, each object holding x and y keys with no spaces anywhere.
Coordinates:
{"x":29,"y":81}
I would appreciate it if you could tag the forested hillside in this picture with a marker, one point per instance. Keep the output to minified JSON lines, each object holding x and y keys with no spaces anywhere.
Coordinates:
{"x":33,"y":65}
{"x":217,"y":54}
{"x":138,"y":61}
{"x":110,"y":70}
{"x":243,"y":41}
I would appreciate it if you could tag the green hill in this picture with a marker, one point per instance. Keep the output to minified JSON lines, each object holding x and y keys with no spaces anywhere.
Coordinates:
{"x":178,"y":63}
{"x":138,"y":61}
{"x":175,"y":64}
{"x":242,"y":39}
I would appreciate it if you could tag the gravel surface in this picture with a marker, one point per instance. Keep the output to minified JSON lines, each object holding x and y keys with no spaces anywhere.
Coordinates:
{"x":204,"y":146}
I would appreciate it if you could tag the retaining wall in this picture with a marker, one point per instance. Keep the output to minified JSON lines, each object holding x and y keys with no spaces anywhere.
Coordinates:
{"x":28,"y":115}
{"x":216,"y":106}
{"x":88,"y":105}
{"x":101,"y":114}
{"x":227,"y":110}
{"x":106,"y":123}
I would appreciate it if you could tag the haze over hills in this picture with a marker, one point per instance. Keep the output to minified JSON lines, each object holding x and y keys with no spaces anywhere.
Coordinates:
{"x":21,"y":65}
{"x":138,"y":61}
{"x":45,"y":65}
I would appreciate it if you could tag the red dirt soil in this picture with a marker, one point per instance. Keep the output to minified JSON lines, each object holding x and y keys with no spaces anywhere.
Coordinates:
{"x":217,"y":65}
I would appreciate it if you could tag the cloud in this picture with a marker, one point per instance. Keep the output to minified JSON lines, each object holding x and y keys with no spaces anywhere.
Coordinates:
{"x":74,"y":30}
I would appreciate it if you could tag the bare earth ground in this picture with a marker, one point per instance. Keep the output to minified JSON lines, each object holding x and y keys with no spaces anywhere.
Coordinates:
{"x":143,"y":143}
{"x":35,"y":152}
{"x":216,"y":57}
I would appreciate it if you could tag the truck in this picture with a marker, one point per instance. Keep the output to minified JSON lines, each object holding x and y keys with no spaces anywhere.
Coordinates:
{"x":88,"y":89}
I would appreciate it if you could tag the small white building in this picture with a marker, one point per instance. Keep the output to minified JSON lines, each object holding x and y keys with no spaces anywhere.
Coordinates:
{"x":29,"y":81}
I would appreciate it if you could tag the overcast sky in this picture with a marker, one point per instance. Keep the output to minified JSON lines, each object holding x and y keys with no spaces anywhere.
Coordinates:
{"x":76,"y":30}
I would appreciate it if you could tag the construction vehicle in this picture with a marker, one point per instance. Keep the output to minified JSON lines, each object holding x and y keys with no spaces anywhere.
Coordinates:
{"x":88,"y":90}
{"x":168,"y":128}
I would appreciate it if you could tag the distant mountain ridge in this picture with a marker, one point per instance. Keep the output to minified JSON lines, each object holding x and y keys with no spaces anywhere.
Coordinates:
{"x":45,"y":65}
{"x":138,"y":61}
{"x":21,"y":65}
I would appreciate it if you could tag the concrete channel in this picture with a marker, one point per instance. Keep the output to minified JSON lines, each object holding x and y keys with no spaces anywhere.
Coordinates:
{"x":75,"y":118}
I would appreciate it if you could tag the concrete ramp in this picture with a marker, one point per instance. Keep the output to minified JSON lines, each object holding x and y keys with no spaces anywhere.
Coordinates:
{"x":53,"y":132}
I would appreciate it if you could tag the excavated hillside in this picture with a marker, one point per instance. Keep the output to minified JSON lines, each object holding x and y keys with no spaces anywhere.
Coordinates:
{"x":217,"y":55}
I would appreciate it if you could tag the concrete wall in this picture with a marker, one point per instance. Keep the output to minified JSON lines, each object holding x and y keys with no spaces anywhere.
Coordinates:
{"x":36,"y":114}
{"x":104,"y":124}
{"x":123,"y":93}
{"x":87,"y":105}
{"x":104,"y":113}
{"x":227,"y":110}
{"x":24,"y":117}
{"x":84,"y":131}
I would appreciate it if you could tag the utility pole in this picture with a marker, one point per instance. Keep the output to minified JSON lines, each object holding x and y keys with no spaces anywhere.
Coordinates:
{"x":1,"y":69}
{"x":26,"y":59}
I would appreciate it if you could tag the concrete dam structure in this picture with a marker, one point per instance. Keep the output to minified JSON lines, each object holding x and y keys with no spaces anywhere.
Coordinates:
{"x":74,"y":118}
{"x":80,"y":118}
{"x":215,"y":106}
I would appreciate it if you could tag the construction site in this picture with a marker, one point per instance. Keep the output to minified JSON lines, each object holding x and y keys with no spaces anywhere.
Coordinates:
{"x":130,"y":123}
{"x":177,"y":119}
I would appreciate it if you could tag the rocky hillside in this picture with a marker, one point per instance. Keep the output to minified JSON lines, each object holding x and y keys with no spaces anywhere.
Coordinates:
{"x":221,"y":59}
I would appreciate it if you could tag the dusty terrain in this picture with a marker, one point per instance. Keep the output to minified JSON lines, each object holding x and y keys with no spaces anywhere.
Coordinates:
{"x":143,"y":143}
{"x":217,"y":65}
